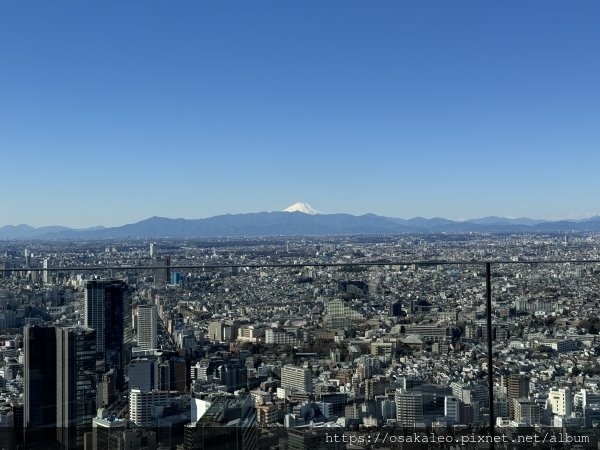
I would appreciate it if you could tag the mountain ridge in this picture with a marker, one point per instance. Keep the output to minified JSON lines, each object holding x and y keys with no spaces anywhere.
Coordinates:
{"x":297,"y":223}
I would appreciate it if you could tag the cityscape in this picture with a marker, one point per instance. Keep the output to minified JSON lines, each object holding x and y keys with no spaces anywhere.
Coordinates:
{"x":151,"y":343}
{"x":292,"y":225}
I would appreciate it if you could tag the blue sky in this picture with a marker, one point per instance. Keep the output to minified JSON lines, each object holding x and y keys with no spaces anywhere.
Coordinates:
{"x":111,"y":112}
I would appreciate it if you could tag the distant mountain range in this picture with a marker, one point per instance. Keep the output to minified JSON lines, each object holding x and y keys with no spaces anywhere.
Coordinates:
{"x":297,"y":223}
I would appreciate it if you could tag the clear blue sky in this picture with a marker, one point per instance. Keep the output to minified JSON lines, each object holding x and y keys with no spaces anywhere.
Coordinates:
{"x":111,"y":112}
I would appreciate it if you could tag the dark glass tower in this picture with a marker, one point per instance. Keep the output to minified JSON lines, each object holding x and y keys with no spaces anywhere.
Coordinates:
{"x":40,"y":384}
{"x":108,"y":311}
{"x":76,"y":384}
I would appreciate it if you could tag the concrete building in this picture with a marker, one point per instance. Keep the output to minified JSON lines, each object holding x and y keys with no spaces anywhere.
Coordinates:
{"x":281,"y":337}
{"x":110,"y":433}
{"x":452,"y":408}
{"x":526,"y":411}
{"x":296,"y":378}
{"x":409,"y":407}
{"x":517,"y":386}
{"x":147,"y":325}
{"x":145,"y":407}
{"x":561,"y":401}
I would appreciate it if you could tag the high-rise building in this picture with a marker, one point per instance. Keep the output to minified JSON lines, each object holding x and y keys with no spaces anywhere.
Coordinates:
{"x":517,"y":386}
{"x":145,"y":406}
{"x":526,"y":411}
{"x":216,"y":331}
{"x":409,"y":407}
{"x":388,"y":410}
{"x":296,"y":378}
{"x":452,"y":408}
{"x":76,"y":384}
{"x":163,"y":271}
{"x":108,"y":311}
{"x":561,"y":401}
{"x":222,"y":332}
{"x":149,"y":374}
{"x":107,"y":390}
{"x":586,"y":397}
{"x":40,"y":383}
{"x":233,"y":376}
{"x":147,"y":327}
{"x":178,"y":374}
{"x":46,"y":277}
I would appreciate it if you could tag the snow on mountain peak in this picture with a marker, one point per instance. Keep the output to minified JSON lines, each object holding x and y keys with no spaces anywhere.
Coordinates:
{"x":301,"y":207}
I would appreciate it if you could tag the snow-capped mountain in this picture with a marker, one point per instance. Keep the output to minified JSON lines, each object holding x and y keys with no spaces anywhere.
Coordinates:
{"x":301,"y":207}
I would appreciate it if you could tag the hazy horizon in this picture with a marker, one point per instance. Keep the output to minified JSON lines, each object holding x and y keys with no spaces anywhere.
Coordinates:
{"x":320,"y":212}
{"x":116,"y":112}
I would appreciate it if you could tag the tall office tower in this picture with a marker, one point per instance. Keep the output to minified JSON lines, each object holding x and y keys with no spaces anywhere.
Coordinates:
{"x":108,"y":311}
{"x":46,"y":277}
{"x":296,"y":378}
{"x":76,"y":384}
{"x":147,"y":325}
{"x":409,"y":407}
{"x":517,"y":386}
{"x":152,"y":250}
{"x":163,"y":271}
{"x":40,"y":384}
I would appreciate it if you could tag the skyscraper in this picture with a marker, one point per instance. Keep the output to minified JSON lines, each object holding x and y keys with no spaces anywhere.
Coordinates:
{"x":163,"y":271}
{"x":108,"y":310}
{"x":76,"y":383}
{"x":517,"y":386}
{"x":147,"y":326}
{"x":40,"y":383}
{"x":46,"y":278}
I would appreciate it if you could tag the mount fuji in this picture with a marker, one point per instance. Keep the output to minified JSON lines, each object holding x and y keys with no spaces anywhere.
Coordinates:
{"x":302,"y":207}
